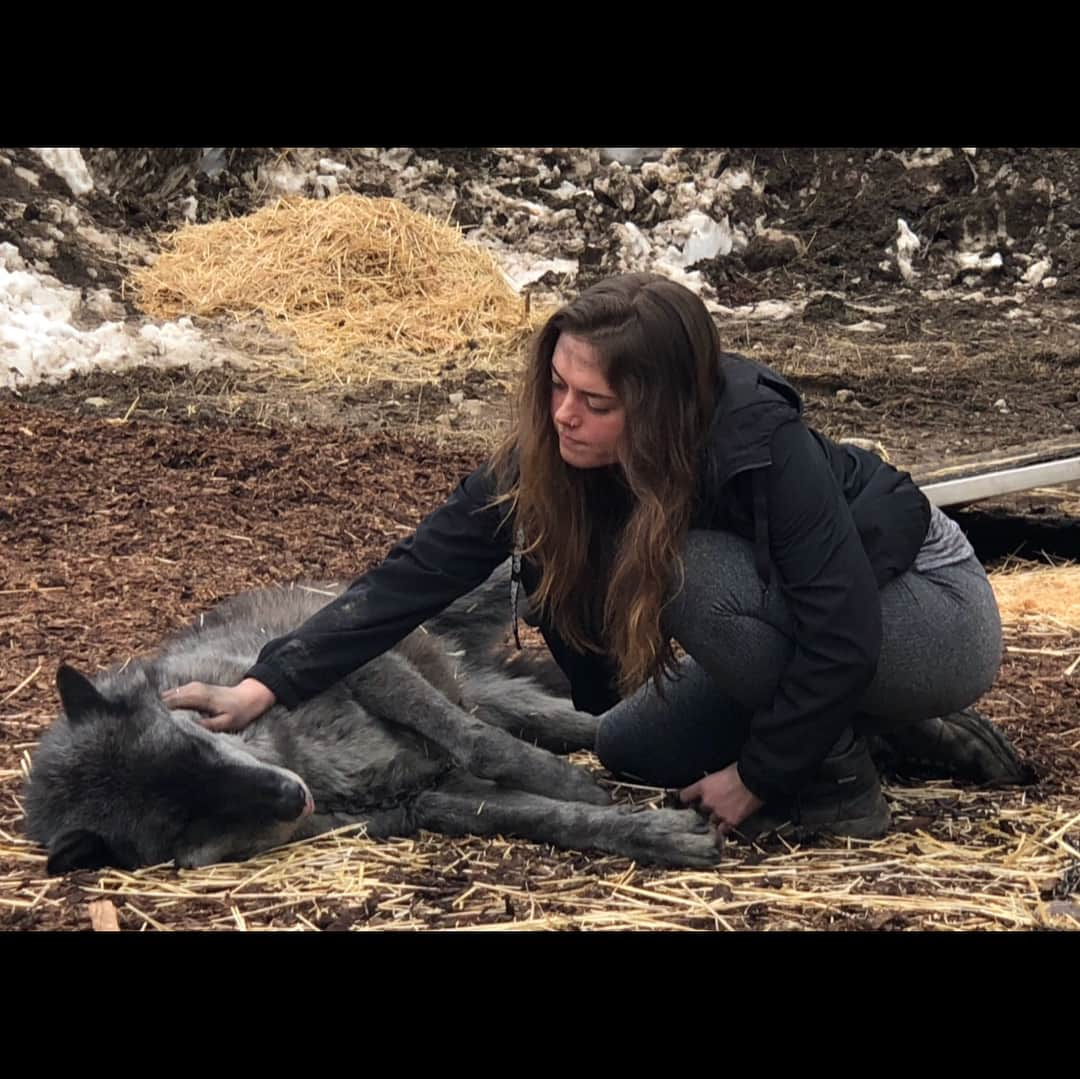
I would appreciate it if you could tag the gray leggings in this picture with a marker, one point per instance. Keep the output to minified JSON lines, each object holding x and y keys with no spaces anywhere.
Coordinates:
{"x":940,"y":652}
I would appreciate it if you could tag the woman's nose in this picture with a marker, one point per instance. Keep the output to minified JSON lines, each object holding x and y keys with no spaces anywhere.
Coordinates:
{"x":565,"y":413}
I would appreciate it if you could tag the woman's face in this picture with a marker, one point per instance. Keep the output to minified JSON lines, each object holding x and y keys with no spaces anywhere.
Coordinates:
{"x":589,"y":419}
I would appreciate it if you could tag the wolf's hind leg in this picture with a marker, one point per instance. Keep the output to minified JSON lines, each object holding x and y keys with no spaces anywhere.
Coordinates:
{"x":527,"y":711}
{"x":396,"y":692}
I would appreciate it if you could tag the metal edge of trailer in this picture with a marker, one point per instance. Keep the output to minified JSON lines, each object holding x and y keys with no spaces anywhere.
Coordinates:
{"x":952,"y":492}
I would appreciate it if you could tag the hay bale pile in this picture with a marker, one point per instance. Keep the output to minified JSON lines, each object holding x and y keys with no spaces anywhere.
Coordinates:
{"x":1025,"y":588}
{"x":365,"y":287}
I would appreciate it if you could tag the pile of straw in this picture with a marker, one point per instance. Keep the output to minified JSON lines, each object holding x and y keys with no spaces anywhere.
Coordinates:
{"x":1033,"y":589}
{"x":365,"y":287}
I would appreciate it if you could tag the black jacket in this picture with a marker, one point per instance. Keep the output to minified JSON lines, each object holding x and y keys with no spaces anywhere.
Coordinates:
{"x":830,"y":525}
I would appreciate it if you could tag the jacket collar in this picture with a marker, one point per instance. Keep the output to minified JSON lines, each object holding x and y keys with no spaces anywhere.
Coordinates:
{"x":754,"y":402}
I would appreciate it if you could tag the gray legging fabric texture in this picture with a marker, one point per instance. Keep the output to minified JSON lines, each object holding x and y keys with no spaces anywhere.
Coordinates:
{"x":941,"y":649}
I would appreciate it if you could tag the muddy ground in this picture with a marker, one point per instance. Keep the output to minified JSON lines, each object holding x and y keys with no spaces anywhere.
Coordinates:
{"x":131,"y":501}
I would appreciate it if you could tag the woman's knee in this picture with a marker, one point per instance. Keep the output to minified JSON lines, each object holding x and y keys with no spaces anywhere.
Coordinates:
{"x":721,"y":617}
{"x":717,"y":579}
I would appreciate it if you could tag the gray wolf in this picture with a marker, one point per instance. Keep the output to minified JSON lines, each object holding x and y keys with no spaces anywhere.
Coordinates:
{"x":449,"y":731}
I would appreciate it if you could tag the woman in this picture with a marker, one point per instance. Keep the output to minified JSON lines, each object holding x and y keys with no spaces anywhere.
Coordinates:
{"x":657,"y":490}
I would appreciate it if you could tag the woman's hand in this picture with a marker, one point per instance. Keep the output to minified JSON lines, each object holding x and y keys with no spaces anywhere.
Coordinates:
{"x":724,"y":798}
{"x":226,"y":708}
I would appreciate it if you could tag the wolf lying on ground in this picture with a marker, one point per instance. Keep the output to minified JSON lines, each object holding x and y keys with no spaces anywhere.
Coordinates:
{"x":437,"y":734}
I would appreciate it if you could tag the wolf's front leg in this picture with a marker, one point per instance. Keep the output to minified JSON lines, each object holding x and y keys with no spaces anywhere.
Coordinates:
{"x":395,"y":692}
{"x":665,"y":837}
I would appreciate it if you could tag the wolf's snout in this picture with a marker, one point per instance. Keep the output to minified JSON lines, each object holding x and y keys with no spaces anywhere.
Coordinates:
{"x":294,"y":800}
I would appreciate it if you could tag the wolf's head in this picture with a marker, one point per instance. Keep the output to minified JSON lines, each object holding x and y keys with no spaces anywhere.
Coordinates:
{"x":120,"y":780}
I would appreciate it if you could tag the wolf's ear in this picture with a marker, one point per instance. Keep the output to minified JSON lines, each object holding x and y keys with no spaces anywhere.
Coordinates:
{"x":78,"y":694}
{"x":78,"y":849}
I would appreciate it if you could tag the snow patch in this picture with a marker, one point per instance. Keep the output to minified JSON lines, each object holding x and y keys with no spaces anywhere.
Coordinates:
{"x":69,"y":165}
{"x":39,"y":343}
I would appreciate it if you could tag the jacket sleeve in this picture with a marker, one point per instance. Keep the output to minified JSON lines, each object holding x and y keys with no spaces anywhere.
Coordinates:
{"x":833,"y":598}
{"x":453,"y":550}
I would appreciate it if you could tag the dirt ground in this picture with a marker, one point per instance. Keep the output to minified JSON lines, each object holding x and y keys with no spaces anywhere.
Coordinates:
{"x":130,"y":502}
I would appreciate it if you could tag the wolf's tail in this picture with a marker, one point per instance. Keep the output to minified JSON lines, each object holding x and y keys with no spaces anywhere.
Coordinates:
{"x":480,"y":619}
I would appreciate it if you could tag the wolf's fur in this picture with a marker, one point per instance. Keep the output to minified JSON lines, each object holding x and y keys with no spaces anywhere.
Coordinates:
{"x":437,"y":733}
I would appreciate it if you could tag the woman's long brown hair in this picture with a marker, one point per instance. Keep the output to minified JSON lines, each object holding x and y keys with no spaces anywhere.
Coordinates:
{"x":659,"y":350}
